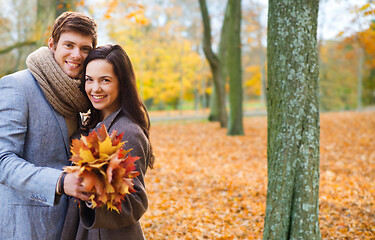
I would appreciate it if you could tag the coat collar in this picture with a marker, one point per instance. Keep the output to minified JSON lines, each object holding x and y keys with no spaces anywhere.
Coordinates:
{"x":108,"y":121}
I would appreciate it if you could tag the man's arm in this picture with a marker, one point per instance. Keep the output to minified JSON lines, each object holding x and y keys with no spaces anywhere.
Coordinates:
{"x":35,"y":183}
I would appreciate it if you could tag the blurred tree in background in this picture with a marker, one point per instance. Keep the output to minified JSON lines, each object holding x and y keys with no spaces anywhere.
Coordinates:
{"x":347,"y":79}
{"x":217,"y":64}
{"x":234,"y":67}
{"x":16,"y":35}
{"x":22,"y":30}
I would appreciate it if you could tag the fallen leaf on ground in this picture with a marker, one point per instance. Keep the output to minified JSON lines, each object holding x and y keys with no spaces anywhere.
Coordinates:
{"x":206,"y":185}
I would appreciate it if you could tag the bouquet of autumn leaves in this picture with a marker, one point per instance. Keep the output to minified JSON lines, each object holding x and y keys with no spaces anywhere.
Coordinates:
{"x":105,"y":166}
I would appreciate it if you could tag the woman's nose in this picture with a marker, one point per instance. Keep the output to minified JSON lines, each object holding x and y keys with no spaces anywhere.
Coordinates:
{"x":96,"y":87}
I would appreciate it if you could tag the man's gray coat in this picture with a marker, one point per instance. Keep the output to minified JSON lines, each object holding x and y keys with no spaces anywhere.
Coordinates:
{"x":34,"y":147}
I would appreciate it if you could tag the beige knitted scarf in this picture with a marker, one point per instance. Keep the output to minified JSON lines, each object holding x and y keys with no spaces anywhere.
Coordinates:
{"x":61,"y":91}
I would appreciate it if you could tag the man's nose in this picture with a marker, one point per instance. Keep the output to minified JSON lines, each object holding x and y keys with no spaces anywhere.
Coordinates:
{"x":76,"y":53}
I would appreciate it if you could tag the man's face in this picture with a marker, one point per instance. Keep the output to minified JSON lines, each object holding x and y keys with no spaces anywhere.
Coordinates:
{"x":71,"y":51}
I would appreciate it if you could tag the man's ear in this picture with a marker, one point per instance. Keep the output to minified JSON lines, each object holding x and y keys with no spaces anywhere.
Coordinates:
{"x":51,"y":44}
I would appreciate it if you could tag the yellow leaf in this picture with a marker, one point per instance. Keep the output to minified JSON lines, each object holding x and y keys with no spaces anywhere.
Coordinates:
{"x":106,"y":149}
{"x":340,"y":33}
{"x":92,"y":200}
{"x":98,"y":165}
{"x":110,"y":206}
{"x":364,"y":7}
{"x":86,"y":155}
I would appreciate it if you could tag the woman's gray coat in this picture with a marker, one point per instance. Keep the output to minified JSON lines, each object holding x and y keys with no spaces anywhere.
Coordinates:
{"x":84,"y":223}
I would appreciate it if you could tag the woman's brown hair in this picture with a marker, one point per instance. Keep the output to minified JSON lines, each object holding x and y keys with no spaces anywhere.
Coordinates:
{"x":129,"y":96}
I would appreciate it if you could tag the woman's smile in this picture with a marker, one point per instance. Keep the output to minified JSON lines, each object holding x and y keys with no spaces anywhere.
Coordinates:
{"x":97,"y":97}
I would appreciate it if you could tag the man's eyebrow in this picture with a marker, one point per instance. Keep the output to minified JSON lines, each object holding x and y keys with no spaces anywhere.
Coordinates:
{"x":67,"y":41}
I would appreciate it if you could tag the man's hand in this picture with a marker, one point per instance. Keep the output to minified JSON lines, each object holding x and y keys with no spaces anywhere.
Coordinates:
{"x":73,"y":186}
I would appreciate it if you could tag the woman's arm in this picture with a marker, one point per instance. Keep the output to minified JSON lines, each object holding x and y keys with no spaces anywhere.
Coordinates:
{"x":135,"y":204}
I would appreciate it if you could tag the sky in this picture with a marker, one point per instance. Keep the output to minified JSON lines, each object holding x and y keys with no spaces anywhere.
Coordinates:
{"x":335,"y":16}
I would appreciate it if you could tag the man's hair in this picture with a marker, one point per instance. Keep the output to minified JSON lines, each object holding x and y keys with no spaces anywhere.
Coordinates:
{"x":76,"y":22}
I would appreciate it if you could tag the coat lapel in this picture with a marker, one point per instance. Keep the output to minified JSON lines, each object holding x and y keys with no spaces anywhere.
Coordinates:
{"x":108,"y":121}
{"x":60,"y":122}
{"x":63,"y":129}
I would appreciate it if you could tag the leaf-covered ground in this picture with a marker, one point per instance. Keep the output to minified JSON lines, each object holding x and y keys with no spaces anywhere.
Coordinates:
{"x":206,"y":185}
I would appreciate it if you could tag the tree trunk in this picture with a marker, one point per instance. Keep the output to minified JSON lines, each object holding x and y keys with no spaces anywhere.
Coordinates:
{"x":214,"y":105}
{"x":234,"y":67}
{"x":215,"y":65}
{"x":293,"y":121}
{"x":46,"y":14}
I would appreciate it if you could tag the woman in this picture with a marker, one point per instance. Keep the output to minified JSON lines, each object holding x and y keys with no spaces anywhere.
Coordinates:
{"x":109,"y":82}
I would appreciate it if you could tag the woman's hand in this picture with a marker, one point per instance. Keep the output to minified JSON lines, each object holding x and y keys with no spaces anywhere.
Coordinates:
{"x":73,"y":186}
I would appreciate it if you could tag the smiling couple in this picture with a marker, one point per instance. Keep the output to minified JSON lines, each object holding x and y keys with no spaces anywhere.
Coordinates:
{"x":39,"y":114}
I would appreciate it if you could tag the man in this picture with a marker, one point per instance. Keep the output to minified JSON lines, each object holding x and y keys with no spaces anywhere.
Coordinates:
{"x":38,"y":112}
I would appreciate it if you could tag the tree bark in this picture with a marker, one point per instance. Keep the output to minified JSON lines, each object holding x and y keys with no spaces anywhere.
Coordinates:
{"x":215,"y":65}
{"x":223,"y":52}
{"x":214,"y":107}
{"x":234,"y":67}
{"x":293,"y":121}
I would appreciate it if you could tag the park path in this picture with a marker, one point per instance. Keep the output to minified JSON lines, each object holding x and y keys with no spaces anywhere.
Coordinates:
{"x":195,"y":115}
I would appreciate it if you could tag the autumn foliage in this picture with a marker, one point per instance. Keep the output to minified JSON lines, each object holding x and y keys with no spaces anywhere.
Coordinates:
{"x":105,"y":166}
{"x":207,"y":185}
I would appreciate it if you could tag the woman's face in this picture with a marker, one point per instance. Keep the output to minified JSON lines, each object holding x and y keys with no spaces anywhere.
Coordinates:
{"x":102,"y":87}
